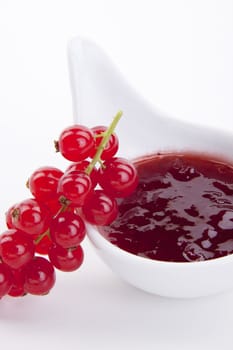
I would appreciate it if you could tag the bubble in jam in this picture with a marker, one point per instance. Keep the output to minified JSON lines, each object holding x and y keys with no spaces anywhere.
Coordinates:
{"x":181,"y":211}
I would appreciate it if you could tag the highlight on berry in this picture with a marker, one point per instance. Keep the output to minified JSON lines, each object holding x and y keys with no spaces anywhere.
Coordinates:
{"x":45,"y":231}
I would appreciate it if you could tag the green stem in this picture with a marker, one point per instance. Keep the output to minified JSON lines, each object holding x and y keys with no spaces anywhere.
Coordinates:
{"x":40,"y":237}
{"x":104,"y":142}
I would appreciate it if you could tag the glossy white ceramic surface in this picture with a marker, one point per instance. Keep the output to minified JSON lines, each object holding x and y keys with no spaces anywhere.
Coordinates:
{"x":99,"y":90}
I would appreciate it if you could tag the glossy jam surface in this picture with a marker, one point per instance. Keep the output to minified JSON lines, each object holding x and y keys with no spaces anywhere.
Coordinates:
{"x":181,"y":211}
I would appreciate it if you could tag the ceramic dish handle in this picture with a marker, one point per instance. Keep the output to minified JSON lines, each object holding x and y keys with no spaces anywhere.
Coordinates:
{"x":97,"y":86}
{"x":99,"y":91}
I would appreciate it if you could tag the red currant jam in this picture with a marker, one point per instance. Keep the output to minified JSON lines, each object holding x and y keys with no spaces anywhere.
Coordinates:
{"x":181,"y":211}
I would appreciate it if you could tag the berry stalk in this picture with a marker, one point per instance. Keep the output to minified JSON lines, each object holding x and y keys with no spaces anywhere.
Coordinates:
{"x":107,"y":135}
{"x":41,"y":236}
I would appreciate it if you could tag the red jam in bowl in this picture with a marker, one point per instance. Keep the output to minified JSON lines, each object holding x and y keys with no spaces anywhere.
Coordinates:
{"x":182,"y":210}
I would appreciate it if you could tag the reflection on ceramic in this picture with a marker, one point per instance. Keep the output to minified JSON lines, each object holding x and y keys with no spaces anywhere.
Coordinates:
{"x":99,"y":91}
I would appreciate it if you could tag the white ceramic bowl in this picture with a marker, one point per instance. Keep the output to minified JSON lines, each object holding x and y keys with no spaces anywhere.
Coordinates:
{"x":99,"y":91}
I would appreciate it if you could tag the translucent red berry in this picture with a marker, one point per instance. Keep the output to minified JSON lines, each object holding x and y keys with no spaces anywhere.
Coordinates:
{"x":42,"y":247}
{"x":9,"y":217}
{"x":43,"y":183}
{"x":6,"y":279}
{"x":76,"y":143}
{"x":16,"y":248}
{"x":30,"y":216}
{"x":118,"y":177}
{"x":82,"y":166}
{"x":67,"y":229}
{"x":53,"y":205}
{"x":66,"y":260}
{"x":112,"y":145}
{"x":75,"y":186}
{"x":17,"y":288}
{"x":99,"y":208}
{"x":39,"y":276}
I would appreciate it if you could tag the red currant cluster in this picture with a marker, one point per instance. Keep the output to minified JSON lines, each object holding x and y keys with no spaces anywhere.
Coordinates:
{"x":52,"y":222}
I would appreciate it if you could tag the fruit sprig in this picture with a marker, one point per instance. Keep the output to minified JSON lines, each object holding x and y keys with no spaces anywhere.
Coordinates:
{"x":44,"y":232}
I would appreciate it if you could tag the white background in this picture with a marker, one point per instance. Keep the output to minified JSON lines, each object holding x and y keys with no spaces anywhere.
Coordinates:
{"x":179,"y":55}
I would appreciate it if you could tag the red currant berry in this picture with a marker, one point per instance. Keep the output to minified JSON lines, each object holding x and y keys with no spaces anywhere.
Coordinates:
{"x":67,"y":229}
{"x":39,"y":276}
{"x":82,"y":166}
{"x":16,"y":248}
{"x":9,"y":218}
{"x":76,"y":143}
{"x":66,"y":260}
{"x":75,"y":186}
{"x":42,"y":247}
{"x":112,"y":146}
{"x":30,"y":216}
{"x":100,"y":209}
{"x":43,"y":183}
{"x":118,"y":177}
{"x":17,"y":289}
{"x":53,"y":205}
{"x":6,"y":279}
